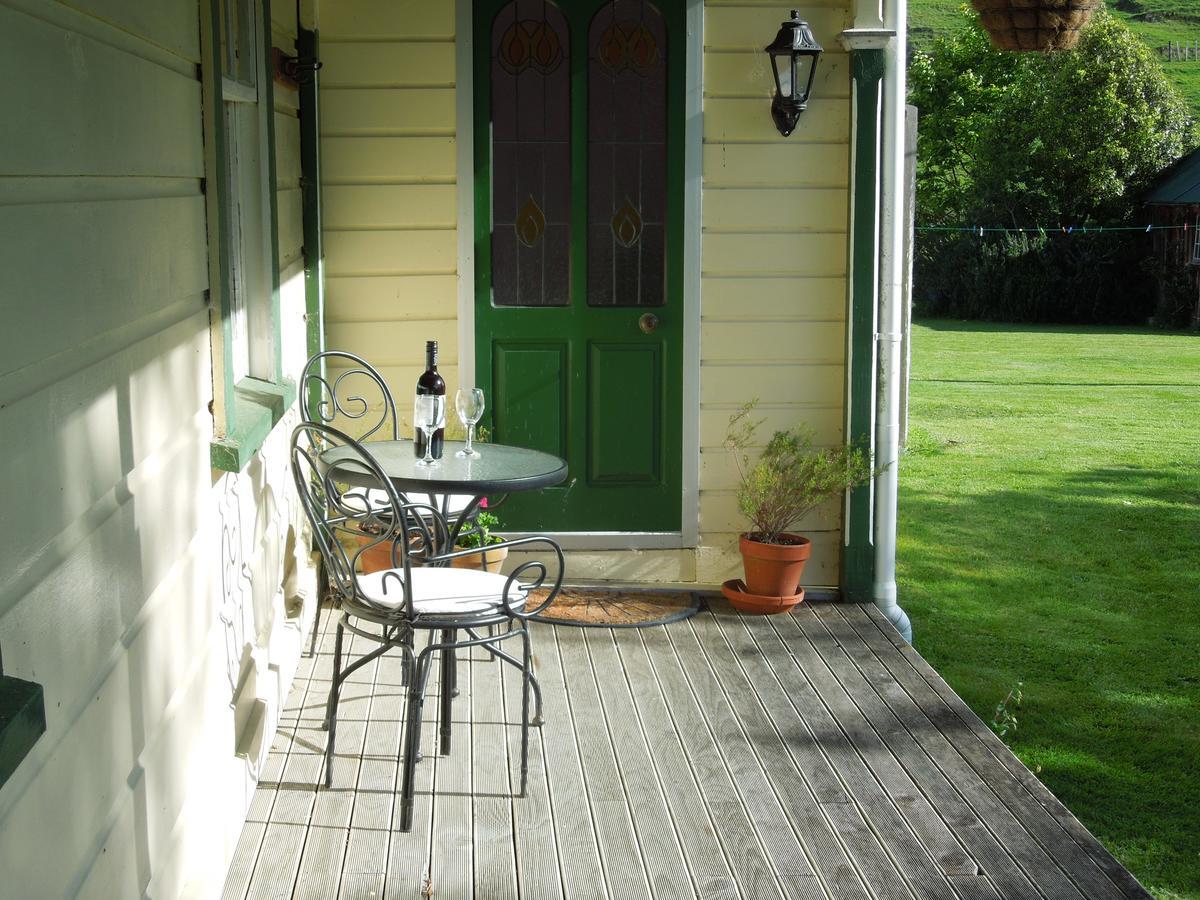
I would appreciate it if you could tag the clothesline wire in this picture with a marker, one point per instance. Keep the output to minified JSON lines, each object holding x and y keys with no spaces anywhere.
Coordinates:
{"x":1046,"y":230}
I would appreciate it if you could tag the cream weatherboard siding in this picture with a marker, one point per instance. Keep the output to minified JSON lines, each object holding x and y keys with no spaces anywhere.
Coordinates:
{"x":774,"y":263}
{"x":144,"y":590}
{"x":388,"y":184}
{"x":774,"y":243}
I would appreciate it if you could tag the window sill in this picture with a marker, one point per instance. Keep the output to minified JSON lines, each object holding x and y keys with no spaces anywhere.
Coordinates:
{"x":257,"y":408}
{"x":22,"y":721}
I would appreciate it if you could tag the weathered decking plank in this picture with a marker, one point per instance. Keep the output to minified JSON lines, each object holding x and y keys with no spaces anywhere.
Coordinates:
{"x":578,"y":848}
{"x":908,"y":805}
{"x":619,"y":850}
{"x":693,"y":822}
{"x":992,"y":834}
{"x":364,"y":865}
{"x":494,"y":845}
{"x":453,"y":818}
{"x":1045,"y":818}
{"x":665,"y":866}
{"x":408,"y":858}
{"x":831,"y":859}
{"x":764,"y":766}
{"x":809,"y":755}
{"x":734,"y":820}
{"x":533,"y":834}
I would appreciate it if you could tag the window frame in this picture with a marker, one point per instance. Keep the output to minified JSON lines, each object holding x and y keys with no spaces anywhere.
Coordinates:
{"x":250,"y":394}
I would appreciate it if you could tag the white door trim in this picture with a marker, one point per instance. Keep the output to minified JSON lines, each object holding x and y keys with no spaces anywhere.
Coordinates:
{"x":689,"y":534}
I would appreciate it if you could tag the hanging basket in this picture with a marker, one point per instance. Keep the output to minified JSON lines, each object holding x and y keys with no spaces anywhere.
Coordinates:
{"x":1035,"y":24}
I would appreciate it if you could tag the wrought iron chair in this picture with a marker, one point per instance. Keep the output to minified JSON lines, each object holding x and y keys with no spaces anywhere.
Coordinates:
{"x":342,"y":389}
{"x":453,"y":605}
{"x":359,"y":395}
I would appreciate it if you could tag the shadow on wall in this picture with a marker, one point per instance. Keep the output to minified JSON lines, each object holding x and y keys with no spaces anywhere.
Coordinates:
{"x":129,"y":553}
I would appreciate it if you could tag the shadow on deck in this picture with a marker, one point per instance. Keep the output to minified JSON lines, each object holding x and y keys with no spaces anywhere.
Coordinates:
{"x":806,"y":755}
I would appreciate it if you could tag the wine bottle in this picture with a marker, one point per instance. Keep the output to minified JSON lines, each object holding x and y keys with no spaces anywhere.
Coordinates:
{"x":430,"y":382}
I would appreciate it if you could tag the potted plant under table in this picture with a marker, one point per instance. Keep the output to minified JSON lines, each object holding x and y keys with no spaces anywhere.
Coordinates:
{"x":790,"y":479}
{"x":481,"y":536}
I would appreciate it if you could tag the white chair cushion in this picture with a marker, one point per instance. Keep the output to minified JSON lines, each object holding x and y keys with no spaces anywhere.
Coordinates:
{"x":438,"y":591}
{"x":455,"y":503}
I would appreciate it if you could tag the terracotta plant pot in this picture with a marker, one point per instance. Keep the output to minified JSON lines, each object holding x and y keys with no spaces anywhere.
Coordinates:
{"x":774,"y":570}
{"x":495,"y":559}
{"x":376,"y":558}
{"x":735,"y":592}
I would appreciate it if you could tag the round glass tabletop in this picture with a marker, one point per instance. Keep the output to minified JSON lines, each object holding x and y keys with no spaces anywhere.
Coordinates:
{"x":499,"y":468}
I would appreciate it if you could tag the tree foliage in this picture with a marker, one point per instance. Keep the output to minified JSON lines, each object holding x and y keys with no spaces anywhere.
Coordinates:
{"x":1020,"y":139}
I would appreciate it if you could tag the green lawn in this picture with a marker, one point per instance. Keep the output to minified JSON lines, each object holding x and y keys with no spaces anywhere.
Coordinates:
{"x":1050,"y":534}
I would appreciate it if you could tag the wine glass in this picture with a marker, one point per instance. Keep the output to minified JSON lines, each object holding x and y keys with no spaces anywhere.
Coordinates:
{"x":429,"y":414}
{"x":469,"y":403}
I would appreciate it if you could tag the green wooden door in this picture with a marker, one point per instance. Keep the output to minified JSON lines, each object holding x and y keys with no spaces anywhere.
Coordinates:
{"x":579,"y":263}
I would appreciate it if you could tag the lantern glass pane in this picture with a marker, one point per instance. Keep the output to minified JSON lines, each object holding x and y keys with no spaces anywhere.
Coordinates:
{"x":804,"y":80}
{"x":779,"y":68}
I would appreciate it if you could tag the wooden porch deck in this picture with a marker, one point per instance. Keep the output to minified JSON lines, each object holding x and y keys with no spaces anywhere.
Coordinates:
{"x":806,"y":755}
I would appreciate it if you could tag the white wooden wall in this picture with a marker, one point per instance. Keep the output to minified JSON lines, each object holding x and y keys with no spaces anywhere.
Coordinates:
{"x":774,"y":252}
{"x":141,"y":588}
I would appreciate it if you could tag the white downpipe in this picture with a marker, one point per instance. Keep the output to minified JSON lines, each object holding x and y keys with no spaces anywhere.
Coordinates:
{"x":890,"y":318}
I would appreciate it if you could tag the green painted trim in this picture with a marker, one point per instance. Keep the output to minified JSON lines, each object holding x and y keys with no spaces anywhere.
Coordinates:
{"x":217,"y":198}
{"x":266,"y":100}
{"x":858,"y":558}
{"x":22,"y":721}
{"x":259,"y":406}
{"x":578,"y":323}
{"x":308,"y":45}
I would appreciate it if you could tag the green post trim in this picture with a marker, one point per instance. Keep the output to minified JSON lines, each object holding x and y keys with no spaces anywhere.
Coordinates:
{"x":22,"y":721}
{"x":217,"y":208}
{"x":308,"y":46}
{"x":266,"y":100}
{"x":251,"y":407}
{"x":858,"y":558}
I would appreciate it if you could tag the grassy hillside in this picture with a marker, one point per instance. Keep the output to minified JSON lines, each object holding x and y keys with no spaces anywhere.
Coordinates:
{"x":1157,"y":22}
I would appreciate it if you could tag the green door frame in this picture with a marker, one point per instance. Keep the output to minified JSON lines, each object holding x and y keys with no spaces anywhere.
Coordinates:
{"x":688,"y":534}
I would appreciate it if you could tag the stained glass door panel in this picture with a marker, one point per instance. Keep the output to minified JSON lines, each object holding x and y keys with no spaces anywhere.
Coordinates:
{"x":627,"y":155}
{"x":578,"y":217}
{"x":531,"y":155}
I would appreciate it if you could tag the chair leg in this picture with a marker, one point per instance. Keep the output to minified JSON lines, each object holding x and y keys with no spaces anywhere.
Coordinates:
{"x":448,"y":688}
{"x":322,"y":593}
{"x":538,"y":719}
{"x":412,"y":738}
{"x":526,"y":676}
{"x":331,"y":706}
{"x":410,"y":661}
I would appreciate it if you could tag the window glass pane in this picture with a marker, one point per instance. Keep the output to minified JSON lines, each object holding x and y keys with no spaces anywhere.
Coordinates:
{"x":531,"y":155}
{"x":627,"y":155}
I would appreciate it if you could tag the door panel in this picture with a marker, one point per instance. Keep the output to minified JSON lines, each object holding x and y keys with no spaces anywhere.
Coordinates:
{"x":532,"y":379}
{"x":577,"y":231}
{"x":616,"y":414}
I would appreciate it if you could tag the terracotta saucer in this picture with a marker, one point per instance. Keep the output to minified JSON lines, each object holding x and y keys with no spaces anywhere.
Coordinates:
{"x":735,"y":592}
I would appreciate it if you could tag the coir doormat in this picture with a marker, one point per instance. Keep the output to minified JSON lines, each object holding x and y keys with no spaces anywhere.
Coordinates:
{"x":615,"y":608}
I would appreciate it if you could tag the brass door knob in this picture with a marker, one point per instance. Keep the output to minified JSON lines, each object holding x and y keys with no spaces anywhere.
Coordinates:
{"x":648,"y":322}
